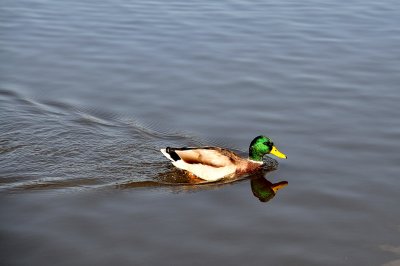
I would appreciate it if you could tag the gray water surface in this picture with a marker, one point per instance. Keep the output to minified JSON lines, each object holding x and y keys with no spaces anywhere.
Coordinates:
{"x":90,"y":91}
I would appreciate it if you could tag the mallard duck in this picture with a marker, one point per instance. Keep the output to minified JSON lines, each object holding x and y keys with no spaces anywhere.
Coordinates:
{"x":214,"y":163}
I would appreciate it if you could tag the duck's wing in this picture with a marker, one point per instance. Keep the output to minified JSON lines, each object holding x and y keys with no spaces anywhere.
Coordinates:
{"x":211,"y":156}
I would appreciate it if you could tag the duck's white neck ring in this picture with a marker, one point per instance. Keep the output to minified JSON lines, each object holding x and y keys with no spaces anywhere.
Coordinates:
{"x":257,"y":162}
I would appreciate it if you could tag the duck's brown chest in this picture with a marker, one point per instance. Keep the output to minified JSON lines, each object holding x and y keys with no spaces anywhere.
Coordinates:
{"x":247,"y":167}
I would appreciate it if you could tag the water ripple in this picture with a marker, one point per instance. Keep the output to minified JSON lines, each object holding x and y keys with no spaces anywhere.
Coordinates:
{"x":61,"y":146}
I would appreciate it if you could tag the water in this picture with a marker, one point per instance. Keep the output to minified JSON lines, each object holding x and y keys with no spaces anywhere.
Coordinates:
{"x":90,"y":91}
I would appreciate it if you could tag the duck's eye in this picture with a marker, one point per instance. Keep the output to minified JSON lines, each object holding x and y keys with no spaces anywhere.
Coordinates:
{"x":269,"y":144}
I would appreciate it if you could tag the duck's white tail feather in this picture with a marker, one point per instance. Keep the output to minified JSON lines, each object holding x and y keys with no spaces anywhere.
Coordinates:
{"x":166,"y":154}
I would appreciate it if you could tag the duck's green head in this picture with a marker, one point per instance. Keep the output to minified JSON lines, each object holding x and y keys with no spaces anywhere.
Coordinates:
{"x":262,"y":145}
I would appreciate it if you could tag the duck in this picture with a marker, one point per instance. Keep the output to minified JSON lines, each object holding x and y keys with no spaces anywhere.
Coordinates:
{"x":214,"y":163}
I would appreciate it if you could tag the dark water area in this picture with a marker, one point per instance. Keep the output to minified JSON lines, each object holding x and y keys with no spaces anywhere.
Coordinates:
{"x":90,"y":91}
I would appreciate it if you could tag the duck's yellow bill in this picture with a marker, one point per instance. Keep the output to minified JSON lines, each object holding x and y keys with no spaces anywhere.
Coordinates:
{"x":277,"y":153}
{"x":277,"y":186}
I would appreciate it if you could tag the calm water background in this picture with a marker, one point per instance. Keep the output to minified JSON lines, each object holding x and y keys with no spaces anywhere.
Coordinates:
{"x":90,"y":90}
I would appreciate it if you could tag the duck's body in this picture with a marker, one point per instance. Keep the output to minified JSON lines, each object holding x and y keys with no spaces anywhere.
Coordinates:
{"x":210,"y":163}
{"x":214,"y":163}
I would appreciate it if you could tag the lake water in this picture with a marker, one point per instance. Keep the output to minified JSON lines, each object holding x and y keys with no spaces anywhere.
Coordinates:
{"x":91,"y":90}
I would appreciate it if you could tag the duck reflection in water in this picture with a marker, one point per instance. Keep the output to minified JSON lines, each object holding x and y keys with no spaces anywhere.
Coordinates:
{"x":263,"y":189}
{"x":174,"y":179}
